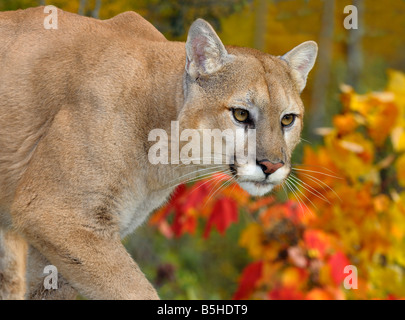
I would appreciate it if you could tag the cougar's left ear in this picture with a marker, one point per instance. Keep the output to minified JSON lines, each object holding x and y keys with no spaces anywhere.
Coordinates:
{"x":301,"y":59}
{"x":205,"y":53}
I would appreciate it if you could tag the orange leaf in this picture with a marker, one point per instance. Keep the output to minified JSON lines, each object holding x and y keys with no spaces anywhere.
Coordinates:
{"x":261,"y":203}
{"x":345,"y":123}
{"x":317,"y":243}
{"x":318,"y":294}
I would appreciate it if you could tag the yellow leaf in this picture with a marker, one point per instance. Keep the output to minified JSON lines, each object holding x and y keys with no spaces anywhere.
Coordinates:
{"x":400,"y":167}
{"x":252,"y":239}
{"x":396,"y":82}
{"x":353,"y":154}
{"x":398,"y":138}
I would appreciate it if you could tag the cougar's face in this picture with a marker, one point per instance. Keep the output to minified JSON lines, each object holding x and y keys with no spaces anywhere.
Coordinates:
{"x":270,"y":105}
{"x":244,"y":92}
{"x":256,"y":102}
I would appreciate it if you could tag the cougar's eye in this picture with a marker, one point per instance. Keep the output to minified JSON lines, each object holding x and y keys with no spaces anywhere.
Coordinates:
{"x":241,"y":115}
{"x":288,"y":120}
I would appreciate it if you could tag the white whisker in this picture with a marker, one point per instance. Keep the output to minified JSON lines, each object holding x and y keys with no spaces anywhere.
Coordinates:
{"x":300,"y":191}
{"x":318,"y":172}
{"x":211,"y":194}
{"x":292,"y":191}
{"x":304,"y":184}
{"x":314,"y":166}
{"x":318,"y":181}
{"x":194,"y":179}
{"x":298,"y":197}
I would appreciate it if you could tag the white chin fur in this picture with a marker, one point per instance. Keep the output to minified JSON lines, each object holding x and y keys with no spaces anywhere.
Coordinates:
{"x":256,"y":190}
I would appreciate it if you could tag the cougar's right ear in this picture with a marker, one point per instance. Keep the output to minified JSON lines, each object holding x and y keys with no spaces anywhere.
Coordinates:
{"x":205,"y":53}
{"x":302,"y":59}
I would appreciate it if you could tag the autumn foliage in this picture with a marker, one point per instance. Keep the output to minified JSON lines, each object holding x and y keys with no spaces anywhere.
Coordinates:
{"x":347,"y":208}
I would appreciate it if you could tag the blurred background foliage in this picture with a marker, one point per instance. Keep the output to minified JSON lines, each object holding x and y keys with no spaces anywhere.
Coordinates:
{"x":354,"y":131}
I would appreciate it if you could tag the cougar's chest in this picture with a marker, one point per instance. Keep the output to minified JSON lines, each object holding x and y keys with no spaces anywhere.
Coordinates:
{"x":134,"y":209}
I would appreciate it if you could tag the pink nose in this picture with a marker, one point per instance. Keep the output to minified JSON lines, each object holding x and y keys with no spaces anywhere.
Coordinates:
{"x":269,"y":167}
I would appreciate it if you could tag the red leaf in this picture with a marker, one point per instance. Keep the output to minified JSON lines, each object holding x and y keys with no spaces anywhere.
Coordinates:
{"x":196,"y":195}
{"x":176,"y":198}
{"x":286,"y":293}
{"x":160,"y":215}
{"x":184,"y":222}
{"x":337,"y":263}
{"x":249,"y":278}
{"x":224,"y":212}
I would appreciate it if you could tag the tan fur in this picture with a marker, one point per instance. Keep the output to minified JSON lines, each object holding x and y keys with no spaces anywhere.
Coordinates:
{"x":76,"y":107}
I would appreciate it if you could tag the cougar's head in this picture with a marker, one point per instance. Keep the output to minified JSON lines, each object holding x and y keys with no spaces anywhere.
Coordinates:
{"x":230,"y":88}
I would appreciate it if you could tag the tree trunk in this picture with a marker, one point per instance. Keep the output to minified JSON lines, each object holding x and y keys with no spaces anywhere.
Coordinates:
{"x":96,"y":12}
{"x":82,"y":7}
{"x":261,"y":25}
{"x":322,"y":74}
{"x":354,"y":48}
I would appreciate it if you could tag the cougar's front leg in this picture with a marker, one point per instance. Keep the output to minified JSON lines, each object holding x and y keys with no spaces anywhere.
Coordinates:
{"x":36,"y":278}
{"x":13,"y":252}
{"x":91,"y":259}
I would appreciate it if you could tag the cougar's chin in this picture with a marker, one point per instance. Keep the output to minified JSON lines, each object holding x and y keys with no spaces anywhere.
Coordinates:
{"x":257,"y":188}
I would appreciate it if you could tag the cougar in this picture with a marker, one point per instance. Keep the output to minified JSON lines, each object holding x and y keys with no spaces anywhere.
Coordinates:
{"x":77,"y":104}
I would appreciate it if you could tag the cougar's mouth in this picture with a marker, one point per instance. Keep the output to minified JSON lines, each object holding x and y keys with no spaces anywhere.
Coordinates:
{"x":255,"y":182}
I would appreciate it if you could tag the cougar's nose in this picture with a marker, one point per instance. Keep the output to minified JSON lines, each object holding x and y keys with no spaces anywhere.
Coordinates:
{"x":269,"y":167}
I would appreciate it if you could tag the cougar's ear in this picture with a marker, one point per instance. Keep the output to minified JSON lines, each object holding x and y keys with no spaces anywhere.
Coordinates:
{"x":301,"y":59}
{"x":205,"y":53}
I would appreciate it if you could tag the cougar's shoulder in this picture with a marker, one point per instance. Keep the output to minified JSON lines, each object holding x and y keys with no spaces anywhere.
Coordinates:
{"x":135,"y":25}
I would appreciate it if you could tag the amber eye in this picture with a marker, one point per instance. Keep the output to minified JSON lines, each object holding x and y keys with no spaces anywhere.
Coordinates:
{"x":288,"y":120}
{"x":241,"y":115}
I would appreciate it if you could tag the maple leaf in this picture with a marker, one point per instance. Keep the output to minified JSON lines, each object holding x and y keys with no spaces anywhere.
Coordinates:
{"x":337,"y":262}
{"x":317,"y":243}
{"x":162,"y":213}
{"x":248,"y":280}
{"x":252,"y":239}
{"x":224,"y":212}
{"x":345,"y":123}
{"x":294,"y":277}
{"x":184,"y":222}
{"x":235,"y":192}
{"x":261,"y":203}
{"x":318,"y":294}
{"x":286,"y":293}
{"x":196,"y":196}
